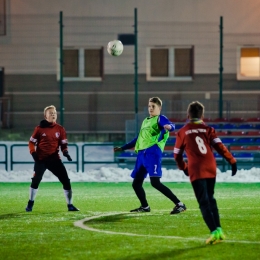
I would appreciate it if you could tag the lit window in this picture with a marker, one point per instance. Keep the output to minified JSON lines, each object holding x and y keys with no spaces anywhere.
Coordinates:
{"x":170,"y":63}
{"x":81,"y":64}
{"x":248,"y":65}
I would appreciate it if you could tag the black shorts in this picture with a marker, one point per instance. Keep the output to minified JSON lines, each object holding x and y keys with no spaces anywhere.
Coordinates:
{"x":55,"y":166}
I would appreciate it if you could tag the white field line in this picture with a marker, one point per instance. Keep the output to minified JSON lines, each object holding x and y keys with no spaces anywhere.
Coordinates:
{"x":82,"y":224}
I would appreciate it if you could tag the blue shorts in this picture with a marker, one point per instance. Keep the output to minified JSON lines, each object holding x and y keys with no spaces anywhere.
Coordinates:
{"x":149,"y":161}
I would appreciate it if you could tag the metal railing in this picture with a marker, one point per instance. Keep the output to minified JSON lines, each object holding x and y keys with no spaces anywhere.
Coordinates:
{"x":107,"y":155}
{"x":103,"y":153}
{"x":13,"y":161}
{"x":5,"y":159}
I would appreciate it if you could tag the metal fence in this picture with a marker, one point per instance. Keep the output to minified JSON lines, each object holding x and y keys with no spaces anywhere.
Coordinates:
{"x":18,"y":157}
{"x":102,"y":154}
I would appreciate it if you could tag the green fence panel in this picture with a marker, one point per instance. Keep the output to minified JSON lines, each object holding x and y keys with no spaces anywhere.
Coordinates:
{"x":5,"y":160}
{"x":13,"y":161}
{"x":103,"y":151}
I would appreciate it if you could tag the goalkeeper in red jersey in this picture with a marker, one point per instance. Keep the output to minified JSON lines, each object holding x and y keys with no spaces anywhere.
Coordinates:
{"x":197,"y":140}
{"x":48,"y":137}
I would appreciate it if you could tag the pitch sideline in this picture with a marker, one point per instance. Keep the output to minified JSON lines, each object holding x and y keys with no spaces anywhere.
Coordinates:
{"x":81,"y":224}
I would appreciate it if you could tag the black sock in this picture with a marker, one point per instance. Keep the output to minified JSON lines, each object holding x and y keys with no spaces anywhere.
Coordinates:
{"x":139,"y":191}
{"x":155,"y":181}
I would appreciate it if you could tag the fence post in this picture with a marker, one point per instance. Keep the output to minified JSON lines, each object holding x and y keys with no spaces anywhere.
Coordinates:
{"x":61,"y":69}
{"x":221,"y":68}
{"x":136,"y":75}
{"x":6,"y":157}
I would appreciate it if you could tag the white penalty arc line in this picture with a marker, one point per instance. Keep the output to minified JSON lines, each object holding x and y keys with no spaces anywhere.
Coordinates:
{"x":82,"y":224}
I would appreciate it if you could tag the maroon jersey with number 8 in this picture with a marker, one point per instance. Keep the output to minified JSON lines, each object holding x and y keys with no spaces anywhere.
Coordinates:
{"x":197,"y":141}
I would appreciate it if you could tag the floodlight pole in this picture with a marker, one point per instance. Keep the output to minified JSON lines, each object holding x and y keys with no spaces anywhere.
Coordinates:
{"x":136,"y":76}
{"x":221,"y":69}
{"x":61,"y":68}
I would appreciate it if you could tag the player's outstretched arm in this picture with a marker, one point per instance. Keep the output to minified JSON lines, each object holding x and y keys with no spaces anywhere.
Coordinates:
{"x":127,"y":146}
{"x":164,"y":122}
{"x":118,"y":149}
{"x":167,"y":127}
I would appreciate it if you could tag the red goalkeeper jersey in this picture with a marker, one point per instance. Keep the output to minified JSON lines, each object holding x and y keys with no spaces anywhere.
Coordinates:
{"x":48,"y":139}
{"x":197,"y":141}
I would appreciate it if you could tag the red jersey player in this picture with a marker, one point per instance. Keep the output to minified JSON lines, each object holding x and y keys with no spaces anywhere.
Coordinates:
{"x":197,"y":140}
{"x":48,"y":137}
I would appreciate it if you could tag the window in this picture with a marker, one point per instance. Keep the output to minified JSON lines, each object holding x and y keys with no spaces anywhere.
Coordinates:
{"x":71,"y":63}
{"x":170,"y":63}
{"x":82,"y":64}
{"x":248,"y":63}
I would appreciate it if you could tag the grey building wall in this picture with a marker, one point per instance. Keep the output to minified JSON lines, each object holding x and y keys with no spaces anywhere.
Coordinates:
{"x":104,"y":106}
{"x":30,"y":54}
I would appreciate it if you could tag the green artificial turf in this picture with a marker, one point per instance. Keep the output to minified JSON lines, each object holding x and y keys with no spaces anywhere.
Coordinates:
{"x":48,"y":232}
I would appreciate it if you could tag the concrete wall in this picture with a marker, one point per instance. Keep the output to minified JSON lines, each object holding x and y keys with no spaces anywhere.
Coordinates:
{"x":240,"y":15}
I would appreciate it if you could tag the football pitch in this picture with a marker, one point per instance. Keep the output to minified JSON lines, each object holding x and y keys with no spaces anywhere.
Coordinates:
{"x":104,"y":228}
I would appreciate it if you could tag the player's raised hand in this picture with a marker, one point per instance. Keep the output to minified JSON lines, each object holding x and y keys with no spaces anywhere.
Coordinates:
{"x":167,"y":127}
{"x":118,"y":149}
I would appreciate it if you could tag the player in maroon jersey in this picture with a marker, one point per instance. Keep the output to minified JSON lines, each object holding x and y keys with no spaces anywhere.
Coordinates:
{"x":49,"y":137}
{"x":197,"y":140}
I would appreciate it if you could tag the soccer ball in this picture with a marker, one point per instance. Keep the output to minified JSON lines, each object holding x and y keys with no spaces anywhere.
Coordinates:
{"x":115,"y":48}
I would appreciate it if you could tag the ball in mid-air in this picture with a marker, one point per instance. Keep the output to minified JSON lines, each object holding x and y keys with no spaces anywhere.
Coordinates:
{"x":115,"y":48}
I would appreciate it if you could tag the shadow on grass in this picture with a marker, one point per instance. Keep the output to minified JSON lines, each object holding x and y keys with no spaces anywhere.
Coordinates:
{"x":118,"y":217}
{"x":23,"y":214}
{"x":111,"y":218}
{"x":12,"y":215}
{"x":169,"y":254}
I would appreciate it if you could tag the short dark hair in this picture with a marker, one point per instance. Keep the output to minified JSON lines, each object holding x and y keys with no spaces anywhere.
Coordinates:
{"x":156,"y":100}
{"x":195,"y":109}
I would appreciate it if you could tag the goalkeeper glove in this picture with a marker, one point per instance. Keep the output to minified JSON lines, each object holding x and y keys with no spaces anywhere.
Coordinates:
{"x":186,"y":172}
{"x":35,"y":156}
{"x":66,"y":154}
{"x":233,"y":169}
